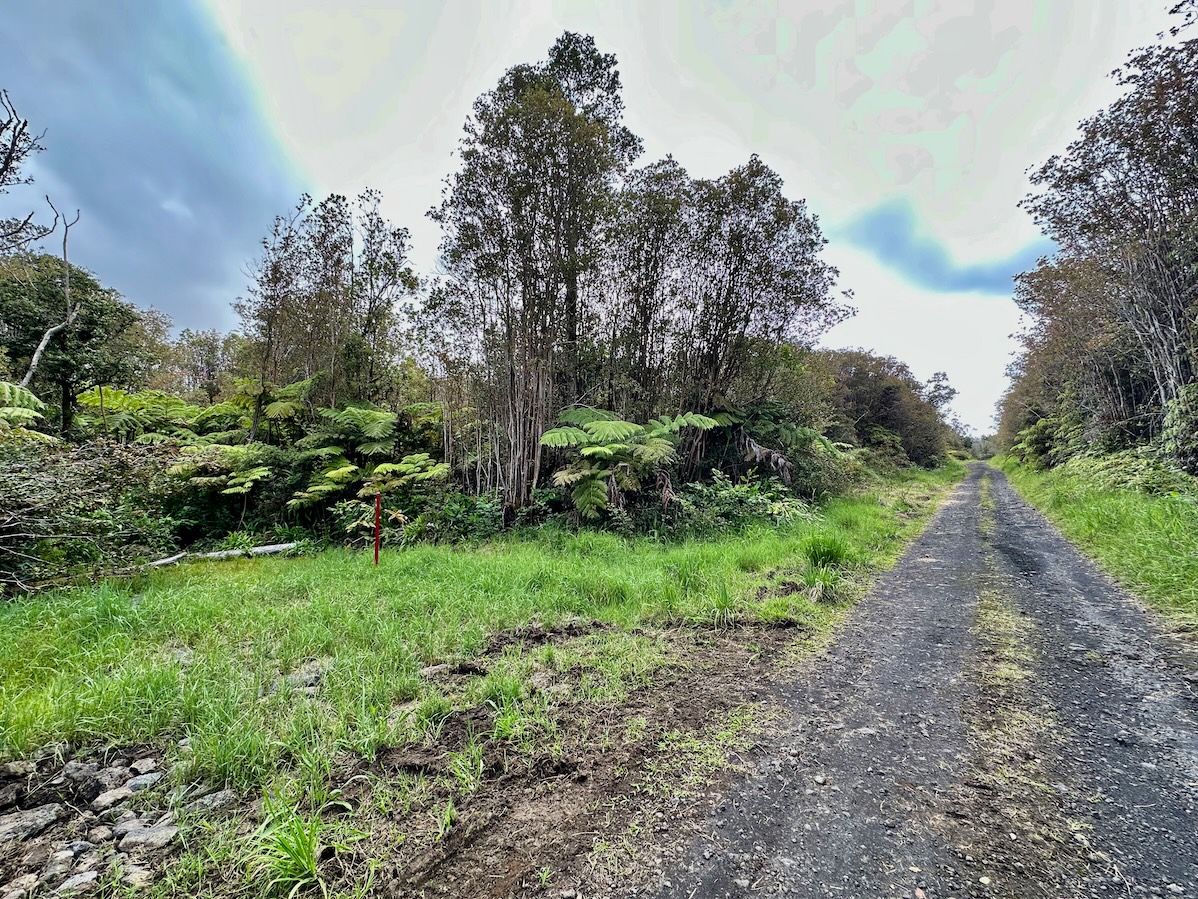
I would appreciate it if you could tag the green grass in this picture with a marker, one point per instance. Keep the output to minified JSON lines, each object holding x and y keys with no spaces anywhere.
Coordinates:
{"x":1149,"y":543}
{"x":197,"y":652}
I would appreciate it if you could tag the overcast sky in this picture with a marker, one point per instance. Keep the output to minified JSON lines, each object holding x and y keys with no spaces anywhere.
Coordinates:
{"x":181,"y":127}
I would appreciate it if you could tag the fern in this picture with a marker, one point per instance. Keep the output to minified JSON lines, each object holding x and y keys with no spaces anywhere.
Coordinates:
{"x":611,"y":456}
{"x":18,"y":409}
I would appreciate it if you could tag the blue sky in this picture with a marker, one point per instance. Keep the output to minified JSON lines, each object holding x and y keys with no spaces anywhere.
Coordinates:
{"x":153,"y":130}
{"x":181,"y":127}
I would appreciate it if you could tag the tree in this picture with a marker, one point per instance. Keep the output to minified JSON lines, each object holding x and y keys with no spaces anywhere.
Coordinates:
{"x":540,"y":160}
{"x":93,"y":347}
{"x":18,"y":144}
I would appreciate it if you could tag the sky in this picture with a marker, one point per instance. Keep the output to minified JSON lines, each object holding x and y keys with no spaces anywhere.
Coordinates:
{"x":181,"y":127}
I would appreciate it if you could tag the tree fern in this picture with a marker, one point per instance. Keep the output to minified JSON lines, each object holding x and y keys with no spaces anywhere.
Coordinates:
{"x":609,"y":457}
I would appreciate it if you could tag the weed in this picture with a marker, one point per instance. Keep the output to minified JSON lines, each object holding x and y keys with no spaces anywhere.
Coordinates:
{"x":466,"y":766}
{"x":444,"y":818}
{"x":287,"y":850}
{"x":825,"y":549}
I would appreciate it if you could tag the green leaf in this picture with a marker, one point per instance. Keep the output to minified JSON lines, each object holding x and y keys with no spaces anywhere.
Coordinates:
{"x":565,"y":437}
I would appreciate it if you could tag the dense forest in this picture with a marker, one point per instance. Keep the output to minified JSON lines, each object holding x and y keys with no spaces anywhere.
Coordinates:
{"x":1109,"y":360}
{"x":604,"y":342}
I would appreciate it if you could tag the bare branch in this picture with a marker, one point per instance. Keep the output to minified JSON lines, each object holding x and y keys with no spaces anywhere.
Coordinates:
{"x":72,"y":310}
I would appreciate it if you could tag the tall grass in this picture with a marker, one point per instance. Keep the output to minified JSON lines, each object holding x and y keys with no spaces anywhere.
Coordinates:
{"x":198,"y":652}
{"x":1147,"y":542}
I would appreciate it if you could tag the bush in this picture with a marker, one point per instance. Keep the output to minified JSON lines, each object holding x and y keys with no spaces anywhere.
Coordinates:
{"x":68,"y":509}
{"x":1179,"y":438}
{"x":721,"y":505}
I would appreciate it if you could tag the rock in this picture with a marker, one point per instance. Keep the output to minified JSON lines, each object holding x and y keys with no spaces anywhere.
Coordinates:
{"x":60,"y":863}
{"x":10,"y":794}
{"x":148,"y":838}
{"x":112,"y":777}
{"x":77,"y":771}
{"x":78,"y":847}
{"x":144,"y":766}
{"x":25,"y":824}
{"x":18,"y":769}
{"x":137,"y":876}
{"x":144,"y":781}
{"x":99,"y":834}
{"x":433,"y":670}
{"x":743,"y":883}
{"x":1175,"y":889}
{"x":36,"y":857}
{"x":308,"y":675}
{"x":211,"y":803}
{"x":185,"y":745}
{"x":127,"y":826}
{"x":78,"y":883}
{"x":110,"y":798}
{"x":24,"y":882}
{"x":820,"y":779}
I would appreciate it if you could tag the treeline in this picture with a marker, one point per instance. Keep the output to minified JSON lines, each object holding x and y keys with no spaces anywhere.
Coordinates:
{"x":598,"y":337}
{"x":1109,"y":359}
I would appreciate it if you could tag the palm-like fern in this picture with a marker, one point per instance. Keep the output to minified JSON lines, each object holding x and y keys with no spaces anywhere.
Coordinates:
{"x":19,"y":408}
{"x":358,"y":449}
{"x":611,"y":456}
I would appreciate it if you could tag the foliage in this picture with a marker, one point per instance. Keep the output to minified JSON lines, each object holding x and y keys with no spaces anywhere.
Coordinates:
{"x":68,"y":509}
{"x":19,"y":410}
{"x":722,"y":506}
{"x":1179,"y":436}
{"x":1110,"y":353}
{"x":610,"y":457}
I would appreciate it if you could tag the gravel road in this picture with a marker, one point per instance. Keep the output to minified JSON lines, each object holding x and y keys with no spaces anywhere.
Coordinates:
{"x":996,"y":720}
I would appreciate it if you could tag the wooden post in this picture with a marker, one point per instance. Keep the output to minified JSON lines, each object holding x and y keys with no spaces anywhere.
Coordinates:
{"x":378,"y":526}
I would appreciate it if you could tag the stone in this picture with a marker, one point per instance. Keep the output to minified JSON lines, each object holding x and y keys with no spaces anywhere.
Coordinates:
{"x":78,"y":883}
{"x":60,"y":863}
{"x":126,"y":826}
{"x":137,"y":876}
{"x":77,"y":771}
{"x":143,"y":781}
{"x":307,"y":676}
{"x":99,"y":834}
{"x":22,"y":825}
{"x":144,"y":766}
{"x":213,"y":802}
{"x":24,"y":882}
{"x":10,"y":794}
{"x":112,"y":777}
{"x":109,"y":798}
{"x":78,"y":847}
{"x":18,"y":769}
{"x":148,"y":838}
{"x":36,"y":857}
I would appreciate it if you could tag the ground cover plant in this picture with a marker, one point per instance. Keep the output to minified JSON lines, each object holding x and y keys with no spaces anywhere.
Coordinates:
{"x":332,"y":689}
{"x":1137,"y":517}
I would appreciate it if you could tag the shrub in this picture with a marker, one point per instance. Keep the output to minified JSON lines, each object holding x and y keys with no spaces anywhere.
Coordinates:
{"x":1179,"y":438}
{"x":67,"y":509}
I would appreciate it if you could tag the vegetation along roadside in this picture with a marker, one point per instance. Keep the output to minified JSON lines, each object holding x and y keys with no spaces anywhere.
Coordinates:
{"x":342,"y":696}
{"x":1135,"y":514}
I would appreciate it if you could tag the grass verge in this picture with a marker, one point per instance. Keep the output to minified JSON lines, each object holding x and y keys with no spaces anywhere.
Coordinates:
{"x":1149,"y":543}
{"x":378,"y":711}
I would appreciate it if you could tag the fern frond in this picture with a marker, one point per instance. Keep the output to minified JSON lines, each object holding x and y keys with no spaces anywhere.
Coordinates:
{"x":590,"y":497}
{"x":559,"y":437}
{"x":609,"y":431}
{"x":584,"y":415}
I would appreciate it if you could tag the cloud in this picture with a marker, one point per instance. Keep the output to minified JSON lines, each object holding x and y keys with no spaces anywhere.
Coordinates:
{"x":154,"y":131}
{"x":891,"y":234}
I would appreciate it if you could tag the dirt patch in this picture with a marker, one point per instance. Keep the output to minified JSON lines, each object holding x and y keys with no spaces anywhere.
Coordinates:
{"x":580,"y":814}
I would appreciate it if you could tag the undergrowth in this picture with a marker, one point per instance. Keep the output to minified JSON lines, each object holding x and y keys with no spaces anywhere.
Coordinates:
{"x":201,"y":652}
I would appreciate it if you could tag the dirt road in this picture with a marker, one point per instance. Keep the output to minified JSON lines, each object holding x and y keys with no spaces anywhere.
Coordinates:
{"x":997,"y":720}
